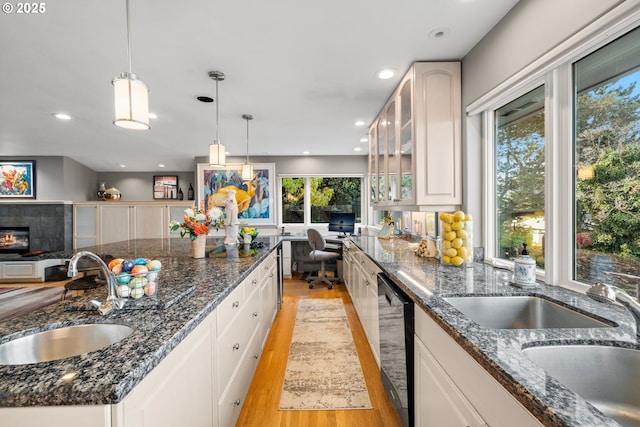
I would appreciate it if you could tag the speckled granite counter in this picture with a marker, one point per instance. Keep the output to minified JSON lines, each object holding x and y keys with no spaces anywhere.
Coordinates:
{"x":106,"y":376}
{"x":499,"y":351}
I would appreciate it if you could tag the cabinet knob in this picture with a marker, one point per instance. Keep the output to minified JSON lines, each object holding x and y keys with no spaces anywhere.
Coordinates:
{"x":235,"y":304}
{"x":256,"y":356}
{"x":254,"y":281}
{"x":236,"y":346}
{"x":255,"y":314}
{"x":237,"y":402}
{"x":271,"y":275}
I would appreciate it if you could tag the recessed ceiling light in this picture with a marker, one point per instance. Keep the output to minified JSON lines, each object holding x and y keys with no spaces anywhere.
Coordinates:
{"x":359,"y":123}
{"x":153,"y":116}
{"x":123,"y":166}
{"x":385,"y":73}
{"x":306,"y":153}
{"x":439,"y":33}
{"x":160,"y":165}
{"x":364,"y":139}
{"x":62,"y":116}
{"x":357,"y":149}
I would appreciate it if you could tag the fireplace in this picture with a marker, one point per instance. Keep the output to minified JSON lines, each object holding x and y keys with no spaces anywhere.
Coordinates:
{"x":14,"y":240}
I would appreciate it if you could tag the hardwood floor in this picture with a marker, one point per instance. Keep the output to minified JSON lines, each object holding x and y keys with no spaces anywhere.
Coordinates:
{"x":261,"y":405}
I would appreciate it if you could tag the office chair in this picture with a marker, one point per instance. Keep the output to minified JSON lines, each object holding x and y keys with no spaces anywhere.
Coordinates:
{"x":318,"y":244}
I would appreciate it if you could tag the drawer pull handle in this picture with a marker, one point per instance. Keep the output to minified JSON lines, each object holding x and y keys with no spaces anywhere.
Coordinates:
{"x":235,"y":304}
{"x":237,"y":402}
{"x":236,"y":346}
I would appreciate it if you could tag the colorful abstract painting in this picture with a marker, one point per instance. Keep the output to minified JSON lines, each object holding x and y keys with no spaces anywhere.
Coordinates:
{"x":17,"y":179}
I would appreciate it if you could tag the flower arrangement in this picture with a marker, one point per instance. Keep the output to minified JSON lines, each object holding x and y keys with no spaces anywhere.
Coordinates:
{"x":196,"y":222}
{"x":248,"y":230}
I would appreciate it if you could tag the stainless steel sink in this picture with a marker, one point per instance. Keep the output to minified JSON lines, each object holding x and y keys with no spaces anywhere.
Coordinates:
{"x":607,"y":377}
{"x":60,"y":343}
{"x":521,"y":312}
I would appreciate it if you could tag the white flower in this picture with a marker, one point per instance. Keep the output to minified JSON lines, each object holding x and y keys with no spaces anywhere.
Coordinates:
{"x":200,"y":217}
{"x":215,"y":213}
{"x":189,"y":212}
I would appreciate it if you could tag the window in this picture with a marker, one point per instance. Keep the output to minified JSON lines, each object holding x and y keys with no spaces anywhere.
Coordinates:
{"x":607,"y":162}
{"x":309,"y":200}
{"x":519,"y":177}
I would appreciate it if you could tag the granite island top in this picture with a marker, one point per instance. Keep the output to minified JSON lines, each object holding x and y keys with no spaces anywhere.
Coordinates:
{"x":499,"y":350}
{"x":106,"y":376}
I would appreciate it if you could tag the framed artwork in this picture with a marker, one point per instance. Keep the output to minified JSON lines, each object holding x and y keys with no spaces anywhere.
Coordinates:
{"x":255,"y":197}
{"x":165,"y":186}
{"x":17,"y":179}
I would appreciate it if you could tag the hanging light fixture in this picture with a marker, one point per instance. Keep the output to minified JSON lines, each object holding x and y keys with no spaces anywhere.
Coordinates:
{"x":131,"y":95}
{"x":247,"y":168}
{"x":216,"y":150}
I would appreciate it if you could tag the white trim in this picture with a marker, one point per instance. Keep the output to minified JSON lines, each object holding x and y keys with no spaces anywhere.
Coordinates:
{"x":613,"y":24}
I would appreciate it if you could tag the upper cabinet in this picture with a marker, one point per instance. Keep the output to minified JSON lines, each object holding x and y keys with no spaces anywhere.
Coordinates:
{"x":415,"y":146}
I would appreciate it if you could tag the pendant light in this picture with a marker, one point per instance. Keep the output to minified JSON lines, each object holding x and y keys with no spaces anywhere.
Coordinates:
{"x":216,"y":150}
{"x":131,"y":95}
{"x":247,"y":168}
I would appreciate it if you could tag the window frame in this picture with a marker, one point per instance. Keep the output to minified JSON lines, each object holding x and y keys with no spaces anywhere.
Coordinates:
{"x":554,"y":71}
{"x":307,"y":199}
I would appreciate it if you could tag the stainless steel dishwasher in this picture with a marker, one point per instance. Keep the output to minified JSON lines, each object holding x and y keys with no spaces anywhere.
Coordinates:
{"x":396,"y":320}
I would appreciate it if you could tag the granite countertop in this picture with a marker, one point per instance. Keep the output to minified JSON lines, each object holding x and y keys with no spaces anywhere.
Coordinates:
{"x":192,"y":287}
{"x":499,"y":350}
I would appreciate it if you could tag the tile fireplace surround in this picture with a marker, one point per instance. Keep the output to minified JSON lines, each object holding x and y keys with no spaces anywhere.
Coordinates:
{"x":50,"y":223}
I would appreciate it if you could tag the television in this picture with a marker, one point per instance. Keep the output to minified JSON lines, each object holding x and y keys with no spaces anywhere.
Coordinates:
{"x":342,"y":222}
{"x":14,"y":240}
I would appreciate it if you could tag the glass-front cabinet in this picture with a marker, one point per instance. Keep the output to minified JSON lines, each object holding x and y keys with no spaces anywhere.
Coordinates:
{"x":415,"y":142}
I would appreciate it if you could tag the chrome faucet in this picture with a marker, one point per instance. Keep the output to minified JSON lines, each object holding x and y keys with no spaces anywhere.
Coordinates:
{"x":112,"y":302}
{"x":608,"y":293}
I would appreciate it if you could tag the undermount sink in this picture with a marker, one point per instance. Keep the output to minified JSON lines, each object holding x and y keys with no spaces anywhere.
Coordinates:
{"x":521,"y":312}
{"x":61,"y":343}
{"x":607,"y":377}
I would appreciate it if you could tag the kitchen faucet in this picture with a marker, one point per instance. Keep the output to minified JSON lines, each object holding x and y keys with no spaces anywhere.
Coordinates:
{"x":608,"y":293}
{"x":112,"y":302}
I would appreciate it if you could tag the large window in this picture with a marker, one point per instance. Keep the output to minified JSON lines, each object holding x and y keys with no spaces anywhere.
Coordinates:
{"x":607,"y":162}
{"x":310,"y":200}
{"x":519,"y":177}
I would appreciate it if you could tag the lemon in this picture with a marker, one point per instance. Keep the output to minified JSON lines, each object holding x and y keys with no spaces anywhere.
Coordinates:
{"x":451,"y":252}
{"x":456,"y":260}
{"x":446,"y":218}
{"x":458,"y":216}
{"x":457,"y":226}
{"x":450,"y":235}
{"x":446,"y":259}
{"x":446,"y":244}
{"x":462,"y":252}
{"x":467,"y":217}
{"x":446,"y":227}
{"x":462,"y":234}
{"x":456,"y":243}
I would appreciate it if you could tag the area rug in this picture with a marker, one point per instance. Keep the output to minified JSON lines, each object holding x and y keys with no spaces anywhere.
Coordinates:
{"x":323,"y":371}
{"x":15,"y":302}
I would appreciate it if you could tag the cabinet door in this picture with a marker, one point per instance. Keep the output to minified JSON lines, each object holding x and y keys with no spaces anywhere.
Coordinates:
{"x":438,"y":402}
{"x":115,"y":224}
{"x":373,"y":164}
{"x":393,"y":166}
{"x":84,"y":226}
{"x":405,"y":133}
{"x":150,"y":222}
{"x":381,"y":134}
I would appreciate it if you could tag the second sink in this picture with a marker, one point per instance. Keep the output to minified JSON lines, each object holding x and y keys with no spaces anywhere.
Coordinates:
{"x":521,"y":312}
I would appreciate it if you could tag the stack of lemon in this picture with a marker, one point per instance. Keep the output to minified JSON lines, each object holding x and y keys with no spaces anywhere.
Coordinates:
{"x":457,"y":238}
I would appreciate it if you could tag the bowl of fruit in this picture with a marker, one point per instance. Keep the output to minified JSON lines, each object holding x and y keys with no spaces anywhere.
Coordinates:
{"x":136,"y":278}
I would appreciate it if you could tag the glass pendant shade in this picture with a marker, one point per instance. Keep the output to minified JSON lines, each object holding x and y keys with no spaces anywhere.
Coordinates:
{"x":247,"y":171}
{"x":216,"y":155}
{"x":131,"y":102}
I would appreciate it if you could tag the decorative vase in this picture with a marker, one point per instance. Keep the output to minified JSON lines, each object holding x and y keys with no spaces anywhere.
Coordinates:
{"x":101,"y":191}
{"x":230,"y":234}
{"x":198,"y":246}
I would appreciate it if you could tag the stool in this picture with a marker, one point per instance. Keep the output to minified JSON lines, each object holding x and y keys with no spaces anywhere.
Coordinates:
{"x":82,"y":284}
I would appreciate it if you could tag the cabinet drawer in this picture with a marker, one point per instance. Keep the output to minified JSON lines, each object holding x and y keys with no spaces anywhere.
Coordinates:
{"x":234,"y":343}
{"x":230,"y":404}
{"x":19,"y":270}
{"x":266,"y":266}
{"x":229,"y":308}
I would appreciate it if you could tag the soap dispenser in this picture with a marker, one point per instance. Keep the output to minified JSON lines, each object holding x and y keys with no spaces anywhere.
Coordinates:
{"x":524,"y":271}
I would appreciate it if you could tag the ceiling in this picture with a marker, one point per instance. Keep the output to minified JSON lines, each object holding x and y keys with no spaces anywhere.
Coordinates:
{"x":305,"y":70}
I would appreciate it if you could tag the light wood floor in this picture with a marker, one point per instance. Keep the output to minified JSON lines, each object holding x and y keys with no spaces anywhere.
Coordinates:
{"x":261,"y":405}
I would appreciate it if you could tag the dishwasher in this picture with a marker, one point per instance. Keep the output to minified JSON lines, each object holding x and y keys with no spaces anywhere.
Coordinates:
{"x":396,"y":320}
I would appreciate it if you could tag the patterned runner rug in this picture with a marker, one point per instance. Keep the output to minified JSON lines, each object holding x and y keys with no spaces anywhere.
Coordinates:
{"x":15,"y":302}
{"x":323,"y":370}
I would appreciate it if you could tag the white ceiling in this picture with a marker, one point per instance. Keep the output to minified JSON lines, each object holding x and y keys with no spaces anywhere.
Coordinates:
{"x":305,"y":70}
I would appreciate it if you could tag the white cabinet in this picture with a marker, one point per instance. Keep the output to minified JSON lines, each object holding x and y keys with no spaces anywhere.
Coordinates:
{"x":96,"y":223}
{"x":415,"y":146}
{"x":25,"y":271}
{"x":451,"y":388}
{"x":179,"y":391}
{"x":362,"y":284}
{"x":268,"y":295}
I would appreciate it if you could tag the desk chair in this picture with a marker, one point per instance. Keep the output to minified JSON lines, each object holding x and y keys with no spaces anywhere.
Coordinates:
{"x":318,"y":253}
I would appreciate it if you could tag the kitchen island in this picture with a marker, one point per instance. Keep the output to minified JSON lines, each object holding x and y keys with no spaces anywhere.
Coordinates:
{"x":191,"y":302}
{"x":495,"y":351}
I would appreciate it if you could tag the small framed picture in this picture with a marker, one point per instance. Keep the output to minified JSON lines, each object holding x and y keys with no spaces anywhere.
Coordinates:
{"x":18,"y":179}
{"x":165,"y":186}
{"x":386,"y":232}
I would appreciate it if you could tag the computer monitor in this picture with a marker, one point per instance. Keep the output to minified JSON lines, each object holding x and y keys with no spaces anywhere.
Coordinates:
{"x":342,"y":222}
